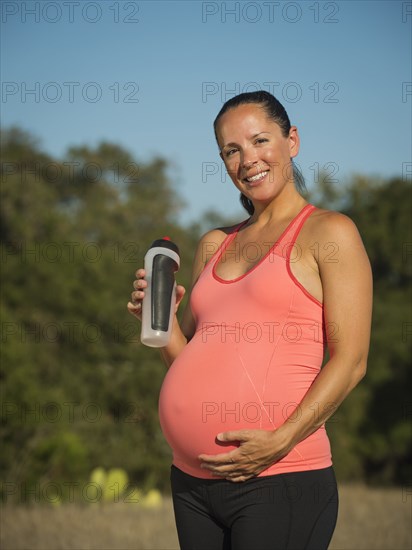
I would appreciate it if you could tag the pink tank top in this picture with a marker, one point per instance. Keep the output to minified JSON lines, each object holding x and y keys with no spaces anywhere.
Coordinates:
{"x":258,"y":346}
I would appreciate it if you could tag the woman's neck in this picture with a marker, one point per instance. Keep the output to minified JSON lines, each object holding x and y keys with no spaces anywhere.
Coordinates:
{"x":278,"y":209}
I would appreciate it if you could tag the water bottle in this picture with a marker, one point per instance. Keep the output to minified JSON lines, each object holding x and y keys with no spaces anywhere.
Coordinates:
{"x":161,"y":262}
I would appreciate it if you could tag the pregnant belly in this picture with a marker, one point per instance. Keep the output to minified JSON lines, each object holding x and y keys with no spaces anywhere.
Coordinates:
{"x":208,"y":390}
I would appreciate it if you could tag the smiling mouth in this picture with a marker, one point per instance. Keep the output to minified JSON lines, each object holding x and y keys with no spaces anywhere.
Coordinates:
{"x":257,"y":177}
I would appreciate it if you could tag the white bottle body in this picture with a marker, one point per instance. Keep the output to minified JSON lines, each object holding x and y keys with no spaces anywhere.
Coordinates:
{"x":153,"y":336}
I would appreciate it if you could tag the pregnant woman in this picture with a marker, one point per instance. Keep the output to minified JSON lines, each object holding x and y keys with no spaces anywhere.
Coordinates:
{"x":244,"y":402}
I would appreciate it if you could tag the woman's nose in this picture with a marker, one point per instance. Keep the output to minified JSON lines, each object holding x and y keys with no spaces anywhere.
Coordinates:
{"x":249,"y":163}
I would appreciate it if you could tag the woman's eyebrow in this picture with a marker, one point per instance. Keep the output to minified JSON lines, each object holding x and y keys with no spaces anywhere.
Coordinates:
{"x":256,"y":135}
{"x":232,"y":143}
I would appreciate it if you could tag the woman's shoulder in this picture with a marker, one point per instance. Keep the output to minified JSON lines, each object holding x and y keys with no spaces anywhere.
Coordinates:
{"x":219,"y":234}
{"x":211,"y":241}
{"x":326,"y":224}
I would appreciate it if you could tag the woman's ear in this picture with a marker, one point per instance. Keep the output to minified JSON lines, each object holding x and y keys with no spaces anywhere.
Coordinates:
{"x":294,"y":141}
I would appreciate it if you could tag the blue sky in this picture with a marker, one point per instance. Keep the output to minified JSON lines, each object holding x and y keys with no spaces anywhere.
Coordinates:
{"x":152,"y":75}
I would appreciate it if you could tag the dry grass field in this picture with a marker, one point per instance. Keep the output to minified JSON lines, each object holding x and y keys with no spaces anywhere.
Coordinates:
{"x":369,"y":519}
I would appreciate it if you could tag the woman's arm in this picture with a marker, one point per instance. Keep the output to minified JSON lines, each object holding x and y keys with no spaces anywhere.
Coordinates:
{"x":347,"y":296}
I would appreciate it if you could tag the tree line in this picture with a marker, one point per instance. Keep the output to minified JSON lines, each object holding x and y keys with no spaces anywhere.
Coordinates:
{"x":80,"y":392}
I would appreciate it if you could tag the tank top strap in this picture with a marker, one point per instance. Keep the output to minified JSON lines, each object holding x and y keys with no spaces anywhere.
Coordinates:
{"x":218,"y":253}
{"x":288,"y":238}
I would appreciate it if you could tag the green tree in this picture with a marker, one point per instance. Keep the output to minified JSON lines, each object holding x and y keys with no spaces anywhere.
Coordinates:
{"x":79,"y":391}
{"x":371,"y":432}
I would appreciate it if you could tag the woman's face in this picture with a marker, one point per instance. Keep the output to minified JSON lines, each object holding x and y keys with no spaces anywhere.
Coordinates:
{"x":256,"y":154}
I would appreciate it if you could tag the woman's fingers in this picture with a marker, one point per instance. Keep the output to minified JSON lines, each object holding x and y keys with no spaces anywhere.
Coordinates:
{"x":138,"y":294}
{"x":139,"y":285}
{"x":135,"y":310}
{"x":135,"y":305}
{"x":180,"y":292}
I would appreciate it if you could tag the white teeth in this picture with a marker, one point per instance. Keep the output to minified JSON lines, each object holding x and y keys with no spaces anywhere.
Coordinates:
{"x":257,"y":177}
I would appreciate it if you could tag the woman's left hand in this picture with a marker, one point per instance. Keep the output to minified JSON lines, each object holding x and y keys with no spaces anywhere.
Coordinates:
{"x":258,"y":449}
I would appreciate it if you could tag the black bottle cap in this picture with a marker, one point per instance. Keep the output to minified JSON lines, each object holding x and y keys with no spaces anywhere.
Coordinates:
{"x":166,"y":243}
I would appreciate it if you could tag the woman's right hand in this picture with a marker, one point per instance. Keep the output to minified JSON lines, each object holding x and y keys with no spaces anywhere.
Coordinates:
{"x":139,"y":284}
{"x":135,"y":305}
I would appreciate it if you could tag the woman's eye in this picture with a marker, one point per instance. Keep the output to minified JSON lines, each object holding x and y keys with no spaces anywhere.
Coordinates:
{"x":261,"y":140}
{"x":230,"y":152}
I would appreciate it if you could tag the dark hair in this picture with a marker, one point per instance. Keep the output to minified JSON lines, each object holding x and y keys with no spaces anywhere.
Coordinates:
{"x":275,"y":111}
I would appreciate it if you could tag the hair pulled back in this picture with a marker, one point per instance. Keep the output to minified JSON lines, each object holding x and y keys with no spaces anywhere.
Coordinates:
{"x":276,"y":112}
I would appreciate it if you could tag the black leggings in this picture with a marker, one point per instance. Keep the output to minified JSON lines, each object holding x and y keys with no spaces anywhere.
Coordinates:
{"x":292,"y":511}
